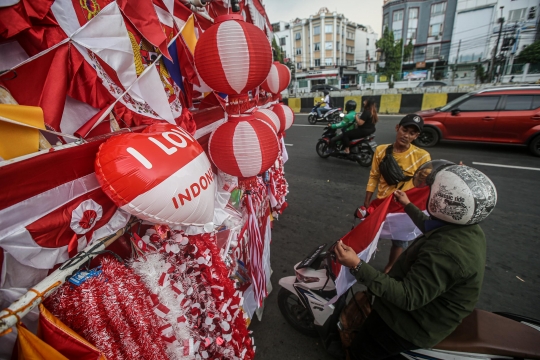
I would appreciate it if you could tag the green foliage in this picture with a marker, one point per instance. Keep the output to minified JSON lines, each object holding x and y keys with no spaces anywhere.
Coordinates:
{"x":481,"y":75}
{"x":531,"y":54}
{"x":276,"y":51}
{"x":392,"y":52}
{"x":370,"y":79}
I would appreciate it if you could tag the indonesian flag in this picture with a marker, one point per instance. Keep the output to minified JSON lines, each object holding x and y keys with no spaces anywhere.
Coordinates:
{"x":51,"y":207}
{"x":387,"y":217}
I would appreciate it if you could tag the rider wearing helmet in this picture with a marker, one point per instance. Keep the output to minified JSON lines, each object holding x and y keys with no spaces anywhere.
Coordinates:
{"x":436,"y":282}
{"x":327,"y":104}
{"x":346,"y":124}
{"x":365,"y":124}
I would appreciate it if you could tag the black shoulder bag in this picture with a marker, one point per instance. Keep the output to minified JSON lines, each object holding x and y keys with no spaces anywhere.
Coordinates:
{"x":390,"y":169}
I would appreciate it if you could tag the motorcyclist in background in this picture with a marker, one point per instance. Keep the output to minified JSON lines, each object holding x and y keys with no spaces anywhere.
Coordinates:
{"x":321,"y":110}
{"x":436,"y":282}
{"x":365,"y":124}
{"x":346,"y":124}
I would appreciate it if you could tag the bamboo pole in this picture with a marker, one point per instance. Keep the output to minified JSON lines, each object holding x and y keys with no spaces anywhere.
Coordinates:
{"x":10,"y":316}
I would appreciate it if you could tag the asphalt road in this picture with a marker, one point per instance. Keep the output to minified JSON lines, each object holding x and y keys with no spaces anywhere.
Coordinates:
{"x":324,"y":193}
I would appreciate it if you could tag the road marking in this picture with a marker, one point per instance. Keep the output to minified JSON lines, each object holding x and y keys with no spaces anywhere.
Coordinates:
{"x":507,"y":166}
{"x":289,"y":145}
{"x":309,"y":125}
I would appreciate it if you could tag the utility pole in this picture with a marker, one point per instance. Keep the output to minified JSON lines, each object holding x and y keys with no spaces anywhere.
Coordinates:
{"x":455,"y":63}
{"x":492,"y":65}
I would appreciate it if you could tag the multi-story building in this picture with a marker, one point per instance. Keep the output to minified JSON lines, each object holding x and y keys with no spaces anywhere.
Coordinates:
{"x":476,"y":29}
{"x":283,"y":36}
{"x":365,"y":55}
{"x":427,"y":24}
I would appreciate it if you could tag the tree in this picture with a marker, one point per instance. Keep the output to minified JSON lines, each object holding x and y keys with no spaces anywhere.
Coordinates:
{"x":480,"y":73}
{"x":393,"y":53}
{"x":276,"y":51}
{"x":531,"y":54}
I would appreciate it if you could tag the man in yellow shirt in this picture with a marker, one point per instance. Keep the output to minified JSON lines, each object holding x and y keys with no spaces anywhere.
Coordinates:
{"x":409,"y":158}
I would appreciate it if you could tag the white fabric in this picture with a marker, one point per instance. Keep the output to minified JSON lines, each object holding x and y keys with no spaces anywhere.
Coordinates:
{"x":65,"y":15}
{"x":14,"y":218}
{"x":106,"y":35}
{"x":164,"y":17}
{"x":11,"y":55}
{"x":5,"y":3}
{"x":326,"y":102}
{"x":75,"y":114}
{"x":247,"y":150}
{"x":78,"y":213}
{"x":232,"y":45}
{"x":284,"y":153}
{"x":399,"y":226}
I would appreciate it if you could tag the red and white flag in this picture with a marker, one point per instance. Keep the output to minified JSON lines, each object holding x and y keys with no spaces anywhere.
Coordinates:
{"x":386,"y":217}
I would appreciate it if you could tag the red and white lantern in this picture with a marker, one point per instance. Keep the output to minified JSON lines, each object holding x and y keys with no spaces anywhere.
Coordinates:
{"x":243,"y":146}
{"x":161,"y":176}
{"x":232,"y":56}
{"x":269,"y":117}
{"x":285,"y":115}
{"x":278,"y":78}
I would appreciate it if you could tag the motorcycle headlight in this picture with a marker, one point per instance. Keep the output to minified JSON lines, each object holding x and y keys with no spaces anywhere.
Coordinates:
{"x":306,"y":279}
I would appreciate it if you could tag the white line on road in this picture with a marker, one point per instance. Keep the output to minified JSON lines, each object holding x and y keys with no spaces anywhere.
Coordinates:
{"x":289,"y":145}
{"x":507,"y":166}
{"x":309,"y":125}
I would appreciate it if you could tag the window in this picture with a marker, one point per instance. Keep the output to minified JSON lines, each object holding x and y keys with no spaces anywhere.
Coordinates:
{"x":299,"y":65}
{"x":438,"y":9}
{"x":397,"y":34}
{"x":532,"y":13}
{"x":337,"y":45}
{"x":518,"y":102}
{"x":411,"y":34}
{"x":385,"y":21}
{"x":367,"y":42}
{"x":338,"y":62}
{"x":328,"y":45}
{"x":350,"y":62}
{"x":317,"y":62}
{"x":328,"y":29}
{"x":367,"y":54}
{"x":480,"y":103}
{"x":413,"y":13}
{"x":517,"y":15}
{"x":328,"y":61}
{"x":432,"y":52}
{"x":282,"y":41}
{"x":316,"y":30}
{"x":435,"y":30}
{"x":350,"y":49}
{"x":350,"y":35}
{"x":536,"y":102}
{"x":337,"y":29}
{"x":317,"y":46}
{"x":333,"y":82}
{"x":298,"y":51}
{"x":398,"y":15}
{"x":297,"y":36}
{"x":302,"y":83}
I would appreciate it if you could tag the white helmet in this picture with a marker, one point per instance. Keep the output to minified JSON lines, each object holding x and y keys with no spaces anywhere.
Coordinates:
{"x":459,"y":194}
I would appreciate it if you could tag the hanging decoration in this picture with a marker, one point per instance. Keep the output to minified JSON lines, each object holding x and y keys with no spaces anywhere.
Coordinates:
{"x":278,"y":78}
{"x":199,"y":307}
{"x":285,"y":114}
{"x":269,"y":117}
{"x":243,"y":147}
{"x":159,"y":176}
{"x":233,"y":57}
{"x":104,"y":310}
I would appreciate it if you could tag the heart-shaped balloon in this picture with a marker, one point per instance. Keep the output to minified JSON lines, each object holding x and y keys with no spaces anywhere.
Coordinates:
{"x":161,"y":175}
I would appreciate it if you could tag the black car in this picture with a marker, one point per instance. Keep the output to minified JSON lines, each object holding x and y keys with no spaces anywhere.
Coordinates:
{"x":431,"y":83}
{"x":324,"y":87}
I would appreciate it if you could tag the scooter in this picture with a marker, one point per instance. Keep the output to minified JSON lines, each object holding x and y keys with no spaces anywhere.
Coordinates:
{"x":360,"y":150}
{"x":331,"y":115}
{"x":303,"y":300}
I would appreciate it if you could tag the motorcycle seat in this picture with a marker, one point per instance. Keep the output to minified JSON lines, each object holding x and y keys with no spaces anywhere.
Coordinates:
{"x":356,"y":141}
{"x":483,"y":332}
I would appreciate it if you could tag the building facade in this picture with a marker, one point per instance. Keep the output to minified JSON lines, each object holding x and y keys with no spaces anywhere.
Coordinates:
{"x":427,"y":24}
{"x":365,"y":54}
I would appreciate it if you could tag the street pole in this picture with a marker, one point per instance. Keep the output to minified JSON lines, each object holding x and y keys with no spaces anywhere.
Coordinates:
{"x":492,"y":65}
{"x":455,"y":63}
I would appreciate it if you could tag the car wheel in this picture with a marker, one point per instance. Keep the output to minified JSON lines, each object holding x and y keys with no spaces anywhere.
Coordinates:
{"x":428,"y":137}
{"x":534,"y":146}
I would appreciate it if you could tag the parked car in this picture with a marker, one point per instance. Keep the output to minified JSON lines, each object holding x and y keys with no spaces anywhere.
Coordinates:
{"x":509,"y":115}
{"x":431,"y":83}
{"x":324,"y":87}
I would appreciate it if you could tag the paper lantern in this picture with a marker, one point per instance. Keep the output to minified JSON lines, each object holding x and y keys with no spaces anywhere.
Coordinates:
{"x":160,"y":176}
{"x":232,"y":56}
{"x":243,"y":146}
{"x":269,"y":117}
{"x":278,"y":78}
{"x":285,"y":115}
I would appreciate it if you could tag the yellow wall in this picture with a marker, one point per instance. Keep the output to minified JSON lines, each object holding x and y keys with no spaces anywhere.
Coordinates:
{"x":430,"y":101}
{"x":390,"y":104}
{"x":294,"y":104}
{"x":357,"y":98}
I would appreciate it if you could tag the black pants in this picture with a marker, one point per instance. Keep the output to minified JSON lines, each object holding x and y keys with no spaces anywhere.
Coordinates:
{"x":355,"y":134}
{"x":376,"y":341}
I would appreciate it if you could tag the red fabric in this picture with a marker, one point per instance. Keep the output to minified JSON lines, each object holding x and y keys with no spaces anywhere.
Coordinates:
{"x":143,"y":16}
{"x":209,"y":63}
{"x":418,"y":196}
{"x":208,"y":116}
{"x":281,"y":76}
{"x":19,"y":17}
{"x":262,"y":11}
{"x":211,"y":100}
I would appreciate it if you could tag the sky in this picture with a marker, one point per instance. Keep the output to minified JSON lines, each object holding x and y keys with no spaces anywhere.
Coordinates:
{"x":365,"y":12}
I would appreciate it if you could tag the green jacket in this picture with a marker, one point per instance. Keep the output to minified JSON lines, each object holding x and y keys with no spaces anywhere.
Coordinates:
{"x":433,"y":285}
{"x":347,"y":123}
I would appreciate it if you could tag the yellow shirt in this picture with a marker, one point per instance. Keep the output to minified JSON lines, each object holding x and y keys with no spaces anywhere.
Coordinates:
{"x":409,"y":161}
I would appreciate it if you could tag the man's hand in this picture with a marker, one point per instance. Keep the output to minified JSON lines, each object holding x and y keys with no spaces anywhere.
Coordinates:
{"x":401,"y":198}
{"x":329,"y":125}
{"x":346,"y":255}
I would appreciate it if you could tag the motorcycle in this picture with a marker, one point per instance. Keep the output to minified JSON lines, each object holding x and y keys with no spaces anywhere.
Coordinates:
{"x":360,"y":150}
{"x":303,"y":299}
{"x":331,"y":115}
